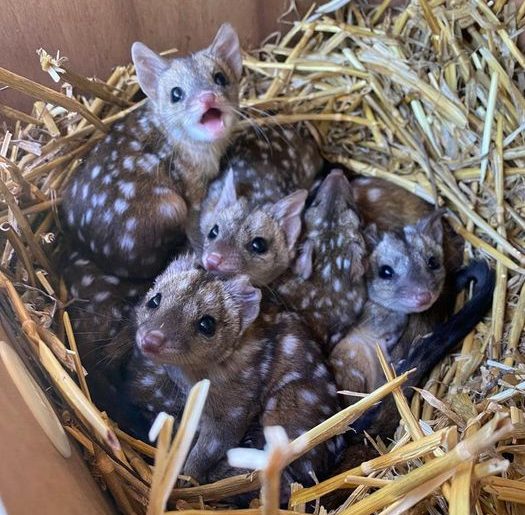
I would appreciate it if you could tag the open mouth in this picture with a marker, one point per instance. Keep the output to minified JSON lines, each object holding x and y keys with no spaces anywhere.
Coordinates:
{"x":212,"y":119}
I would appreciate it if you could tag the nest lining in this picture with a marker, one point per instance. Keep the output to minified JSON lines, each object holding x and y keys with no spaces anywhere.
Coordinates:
{"x":430,"y":99}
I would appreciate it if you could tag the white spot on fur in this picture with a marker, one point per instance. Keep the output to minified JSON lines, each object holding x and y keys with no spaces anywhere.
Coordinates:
{"x":87,"y":280}
{"x":167,"y":209}
{"x":128,"y":163}
{"x":289,"y":344}
{"x":95,"y":171}
{"x":120,"y":206}
{"x":320,"y":371}
{"x":131,"y":223}
{"x":309,"y":397}
{"x":98,"y":200}
{"x":111,"y":279}
{"x":127,"y":242}
{"x":85,"y":191}
{"x":127,"y":188}
{"x":161,"y":190}
{"x":101,"y":296}
{"x":289,"y":378}
{"x":374,"y":194}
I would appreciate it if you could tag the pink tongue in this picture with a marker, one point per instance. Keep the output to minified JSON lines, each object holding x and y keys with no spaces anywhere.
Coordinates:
{"x":212,"y":119}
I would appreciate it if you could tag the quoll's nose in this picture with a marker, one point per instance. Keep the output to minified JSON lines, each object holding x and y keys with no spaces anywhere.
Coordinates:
{"x":212,"y":261}
{"x":423,"y":297}
{"x":207,"y":99}
{"x":153,"y":342}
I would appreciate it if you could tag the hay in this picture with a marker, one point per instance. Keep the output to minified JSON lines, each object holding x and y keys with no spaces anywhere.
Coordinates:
{"x":429,"y":99}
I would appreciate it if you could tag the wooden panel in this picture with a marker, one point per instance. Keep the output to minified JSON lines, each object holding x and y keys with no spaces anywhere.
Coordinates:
{"x":97,"y":35}
{"x":34,"y":477}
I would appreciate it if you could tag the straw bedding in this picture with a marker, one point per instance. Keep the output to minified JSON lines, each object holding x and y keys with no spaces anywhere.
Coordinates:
{"x":429,"y":98}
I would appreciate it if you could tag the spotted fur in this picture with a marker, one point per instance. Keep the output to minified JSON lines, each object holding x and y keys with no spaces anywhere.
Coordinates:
{"x":127,"y":204}
{"x":264,"y":370}
{"x":327,"y":284}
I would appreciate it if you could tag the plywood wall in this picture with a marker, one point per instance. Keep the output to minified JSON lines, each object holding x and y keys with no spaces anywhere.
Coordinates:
{"x":97,"y":34}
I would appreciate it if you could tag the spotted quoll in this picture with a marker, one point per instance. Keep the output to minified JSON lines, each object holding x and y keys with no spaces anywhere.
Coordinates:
{"x":259,"y":241}
{"x":327,"y":282}
{"x":128,"y":203}
{"x":264,"y":368}
{"x":405,"y":275}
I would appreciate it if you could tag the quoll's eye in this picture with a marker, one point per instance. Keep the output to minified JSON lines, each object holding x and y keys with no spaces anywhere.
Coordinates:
{"x":177,"y":94}
{"x":433,"y":263}
{"x":386,"y":272}
{"x":220,"y":79}
{"x":206,"y":325}
{"x":214,"y":232}
{"x":259,"y":245}
{"x":154,"y":302}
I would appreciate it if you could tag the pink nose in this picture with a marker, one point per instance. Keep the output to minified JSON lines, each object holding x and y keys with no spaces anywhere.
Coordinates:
{"x":153,"y":342}
{"x":423,"y":297}
{"x":207,"y":99}
{"x":213,"y":261}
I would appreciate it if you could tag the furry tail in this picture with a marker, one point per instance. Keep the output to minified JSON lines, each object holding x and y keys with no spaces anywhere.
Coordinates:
{"x":426,"y":352}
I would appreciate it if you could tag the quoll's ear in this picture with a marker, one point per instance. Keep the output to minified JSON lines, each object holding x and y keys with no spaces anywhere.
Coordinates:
{"x":303,"y":264}
{"x":227,"y":48}
{"x":287,"y":212}
{"x":371,"y":235}
{"x":432,"y":225}
{"x":228,"y":195}
{"x":248,"y":299}
{"x":149,"y":67}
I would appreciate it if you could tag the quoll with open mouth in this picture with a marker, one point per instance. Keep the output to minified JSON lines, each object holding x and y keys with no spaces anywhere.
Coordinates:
{"x":128,"y":203}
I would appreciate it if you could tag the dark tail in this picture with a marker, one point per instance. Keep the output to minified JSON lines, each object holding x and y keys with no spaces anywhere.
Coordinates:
{"x":427,"y":352}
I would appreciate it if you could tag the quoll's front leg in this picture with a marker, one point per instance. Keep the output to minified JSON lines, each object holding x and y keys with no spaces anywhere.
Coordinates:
{"x":217,"y":435}
{"x":298,"y":406}
{"x":354,"y":365}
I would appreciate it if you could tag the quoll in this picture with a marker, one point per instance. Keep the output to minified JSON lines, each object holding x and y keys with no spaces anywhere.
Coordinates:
{"x":327,"y":282}
{"x":257,"y":241}
{"x":405,"y":275}
{"x":128,"y":203}
{"x":264,"y":368}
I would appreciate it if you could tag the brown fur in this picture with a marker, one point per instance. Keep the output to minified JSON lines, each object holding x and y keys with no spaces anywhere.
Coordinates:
{"x":327,"y":284}
{"x":128,"y":202}
{"x":414,"y":259}
{"x":260,"y":368}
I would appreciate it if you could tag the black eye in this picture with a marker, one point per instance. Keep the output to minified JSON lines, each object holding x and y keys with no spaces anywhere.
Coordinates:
{"x":220,"y":79}
{"x":154,"y":302}
{"x":386,"y":272}
{"x":433,"y":263}
{"x":259,"y":245}
{"x":214,"y":232}
{"x":206,"y":325}
{"x":177,"y":94}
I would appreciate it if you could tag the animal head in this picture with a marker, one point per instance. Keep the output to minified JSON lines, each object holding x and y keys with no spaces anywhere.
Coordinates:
{"x":258,"y":242}
{"x":196,"y":97}
{"x":406,"y":272}
{"x":192,"y":318}
{"x":334,"y":247}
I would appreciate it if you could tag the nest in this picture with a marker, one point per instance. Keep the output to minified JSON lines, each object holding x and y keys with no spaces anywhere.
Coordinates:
{"x":429,"y":99}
